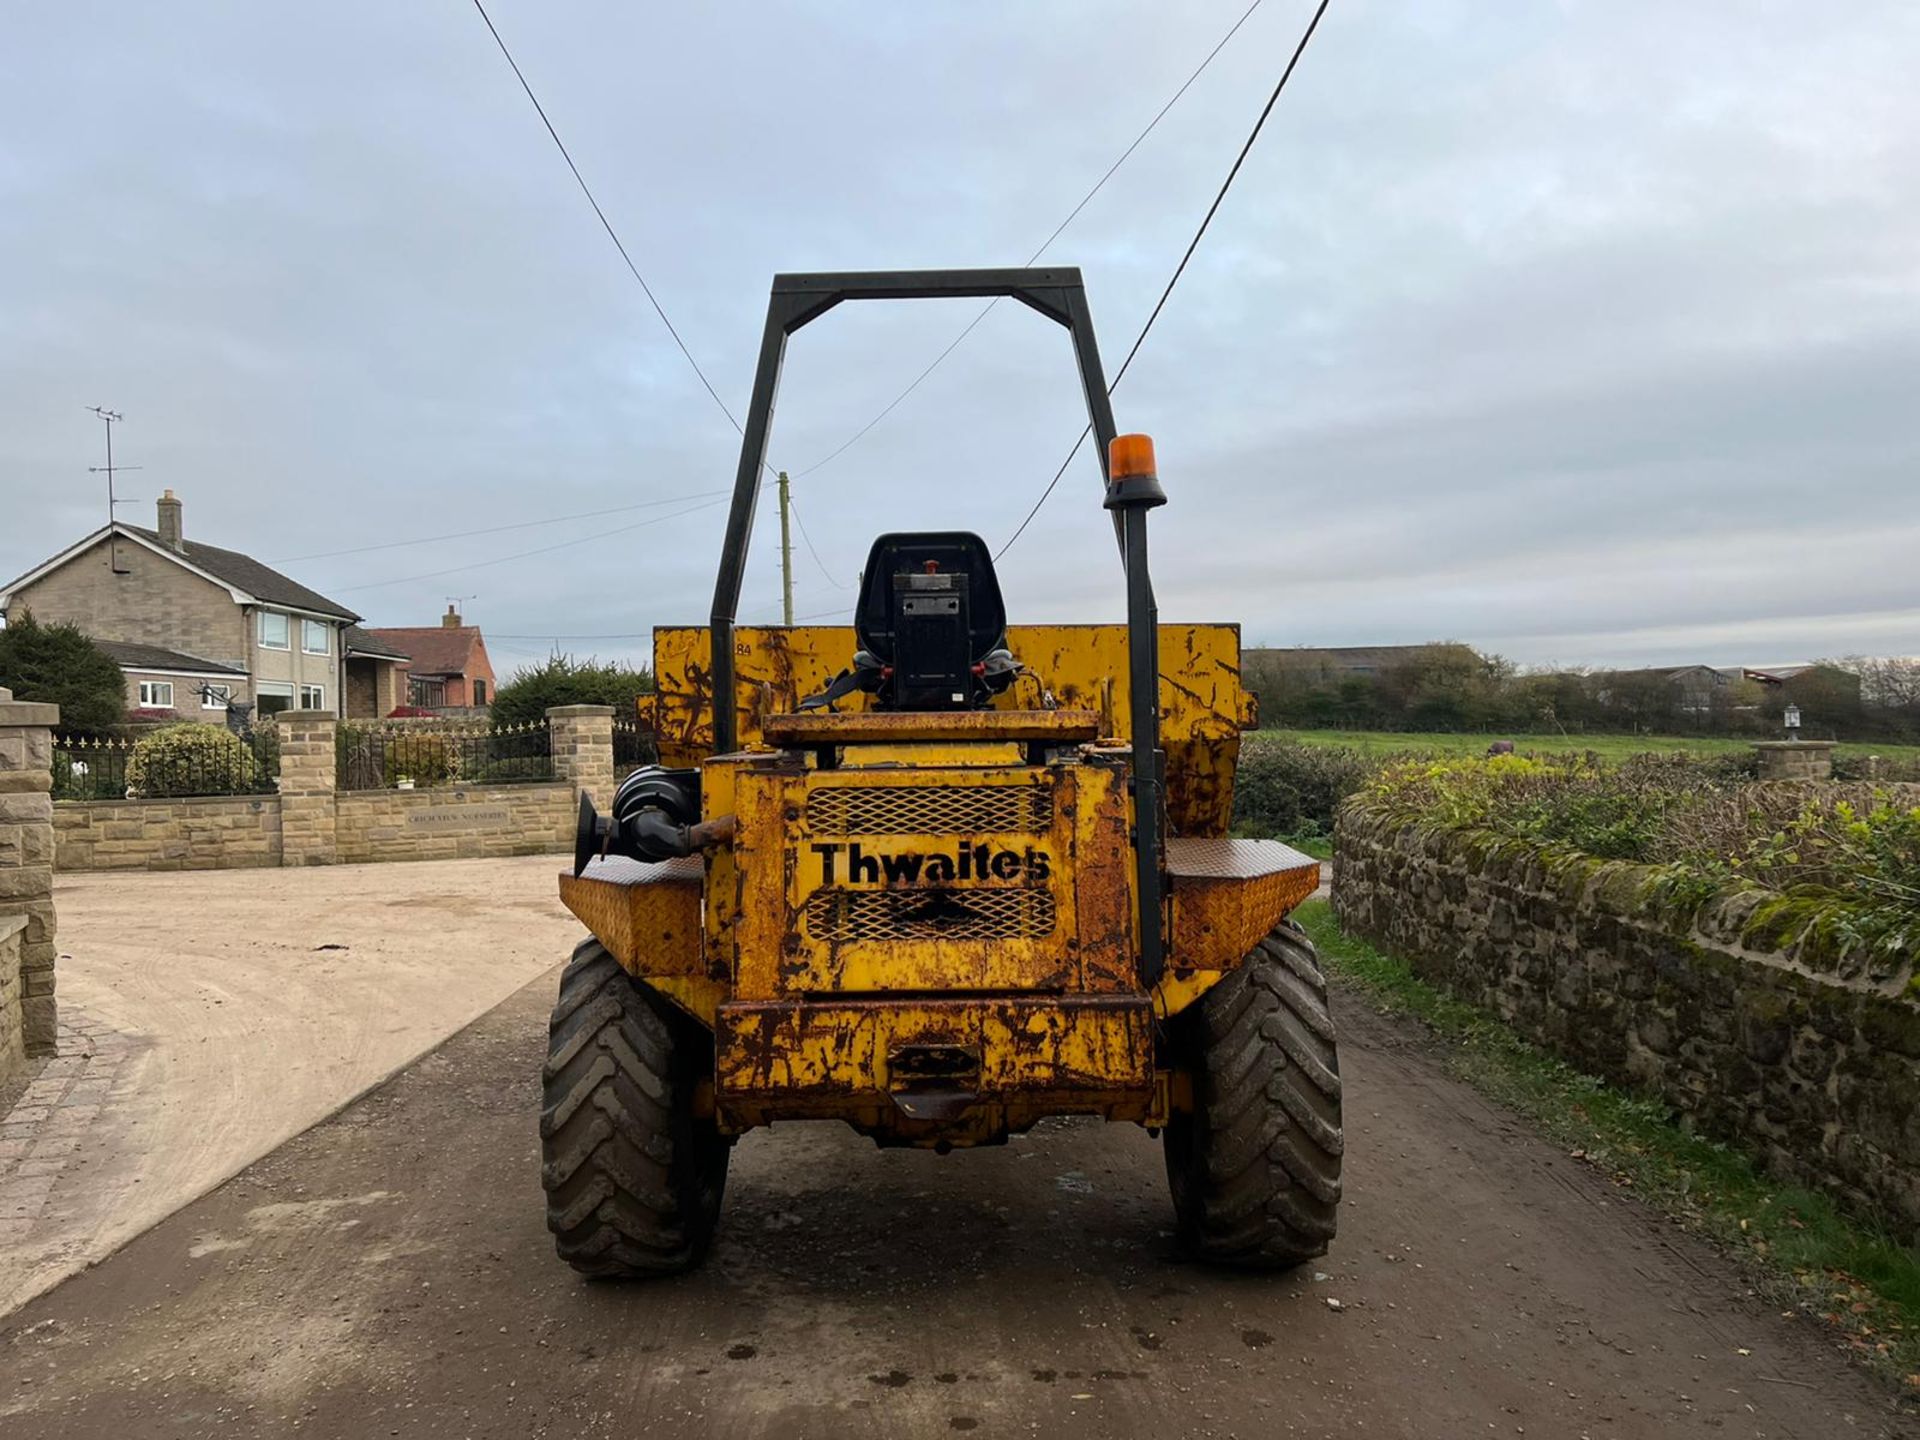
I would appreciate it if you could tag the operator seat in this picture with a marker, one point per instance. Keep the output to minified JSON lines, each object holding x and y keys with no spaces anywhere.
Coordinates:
{"x":931,"y":626}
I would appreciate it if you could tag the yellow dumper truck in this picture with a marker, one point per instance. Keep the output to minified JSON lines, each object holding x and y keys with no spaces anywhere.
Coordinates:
{"x":938,"y":876}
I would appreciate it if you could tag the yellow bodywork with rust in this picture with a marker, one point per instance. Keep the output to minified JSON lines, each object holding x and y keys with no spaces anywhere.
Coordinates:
{"x":925,"y":924}
{"x":1203,"y":707}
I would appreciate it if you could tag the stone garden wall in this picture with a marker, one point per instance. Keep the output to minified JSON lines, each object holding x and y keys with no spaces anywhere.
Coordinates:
{"x":453,"y":822}
{"x":1806,"y":1060}
{"x":310,"y":821}
{"x":214,"y":832}
{"x":13,"y":1040}
{"x":28,"y":1022}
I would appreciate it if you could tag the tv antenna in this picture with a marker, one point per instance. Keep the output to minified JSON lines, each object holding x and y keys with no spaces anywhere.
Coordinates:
{"x":110,"y":418}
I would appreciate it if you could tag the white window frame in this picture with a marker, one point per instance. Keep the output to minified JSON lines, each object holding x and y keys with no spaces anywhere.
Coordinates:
{"x":307,"y":630}
{"x":274,"y":689}
{"x":151,"y":689}
{"x":286,"y":630}
{"x":318,"y":694}
{"x":215,"y":697}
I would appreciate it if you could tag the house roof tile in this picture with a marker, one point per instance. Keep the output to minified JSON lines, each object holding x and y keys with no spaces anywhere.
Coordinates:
{"x":131,"y":655}
{"x":368,"y":642}
{"x":262,"y":582}
{"x":434,"y":649}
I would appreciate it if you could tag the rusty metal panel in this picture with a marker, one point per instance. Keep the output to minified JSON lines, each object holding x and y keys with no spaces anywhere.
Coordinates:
{"x":846,"y":1060}
{"x":822,"y":727}
{"x":1226,"y":896}
{"x":1218,"y":858}
{"x":648,"y":917}
{"x":938,"y":880}
{"x":1203,"y":706}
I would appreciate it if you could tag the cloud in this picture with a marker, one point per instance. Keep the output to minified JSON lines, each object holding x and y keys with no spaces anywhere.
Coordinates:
{"x":1582,"y":332}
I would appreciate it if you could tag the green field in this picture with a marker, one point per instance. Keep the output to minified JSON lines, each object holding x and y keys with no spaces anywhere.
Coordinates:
{"x":1612,"y":747}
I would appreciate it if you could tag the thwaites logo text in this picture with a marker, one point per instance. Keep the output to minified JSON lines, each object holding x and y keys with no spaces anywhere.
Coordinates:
{"x":849,"y":863}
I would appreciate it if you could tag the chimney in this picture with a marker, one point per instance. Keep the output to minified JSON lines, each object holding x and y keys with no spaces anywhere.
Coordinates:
{"x":168,"y":506}
{"x":450,"y":620}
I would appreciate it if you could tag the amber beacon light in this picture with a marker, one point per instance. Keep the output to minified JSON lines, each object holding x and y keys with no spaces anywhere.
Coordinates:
{"x":1131,"y":455}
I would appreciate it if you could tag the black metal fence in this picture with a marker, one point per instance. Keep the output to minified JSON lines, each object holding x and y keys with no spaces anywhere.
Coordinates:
{"x":409,"y":757}
{"x":633,"y":746}
{"x":180,"y":760}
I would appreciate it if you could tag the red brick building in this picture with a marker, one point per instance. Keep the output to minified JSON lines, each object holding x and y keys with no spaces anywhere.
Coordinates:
{"x":447,"y":664}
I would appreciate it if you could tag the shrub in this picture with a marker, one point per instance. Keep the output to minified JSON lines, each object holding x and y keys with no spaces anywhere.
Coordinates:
{"x":60,"y":665}
{"x":1846,"y":856}
{"x":1852,"y":765}
{"x":192,"y":759}
{"x":1286,"y":788}
{"x":424,"y":758}
{"x":563,"y":680}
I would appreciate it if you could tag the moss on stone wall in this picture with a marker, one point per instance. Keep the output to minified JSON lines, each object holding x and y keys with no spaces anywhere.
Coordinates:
{"x":1747,"y":1010}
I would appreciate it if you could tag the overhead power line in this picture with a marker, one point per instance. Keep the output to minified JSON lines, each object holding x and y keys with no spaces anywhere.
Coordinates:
{"x":528,"y":554}
{"x":1058,"y":230}
{"x":794,"y":510}
{"x":605,"y":223}
{"x":499,"y":529}
{"x":1180,"y":269}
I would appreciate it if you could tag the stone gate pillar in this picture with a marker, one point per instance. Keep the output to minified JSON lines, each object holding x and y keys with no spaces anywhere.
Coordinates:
{"x":27,"y":1007}
{"x":583,"y":750}
{"x":307,"y":769}
{"x":1795,"y":759}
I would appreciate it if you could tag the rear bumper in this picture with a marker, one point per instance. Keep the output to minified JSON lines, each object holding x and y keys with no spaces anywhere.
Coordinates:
{"x":930,"y":1071}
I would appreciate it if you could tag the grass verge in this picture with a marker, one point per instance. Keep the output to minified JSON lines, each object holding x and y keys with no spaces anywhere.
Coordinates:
{"x":1861,"y":1283}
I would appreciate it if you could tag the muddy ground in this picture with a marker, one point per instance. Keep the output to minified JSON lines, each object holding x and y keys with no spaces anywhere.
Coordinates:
{"x":388,"y":1273}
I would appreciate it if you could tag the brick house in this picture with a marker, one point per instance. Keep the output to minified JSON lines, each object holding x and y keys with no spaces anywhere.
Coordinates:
{"x":447,"y":664}
{"x":376,"y":675}
{"x":192,"y":625}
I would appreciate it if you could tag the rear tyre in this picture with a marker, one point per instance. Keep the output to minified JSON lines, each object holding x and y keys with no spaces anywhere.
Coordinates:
{"x":633,"y":1177}
{"x":1255,"y":1166}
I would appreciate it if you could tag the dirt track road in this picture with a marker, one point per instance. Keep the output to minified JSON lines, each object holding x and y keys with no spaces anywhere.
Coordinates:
{"x":387,"y":1273}
{"x":249,"y":1003}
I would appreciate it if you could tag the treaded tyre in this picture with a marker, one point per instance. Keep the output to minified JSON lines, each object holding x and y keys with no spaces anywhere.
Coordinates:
{"x":633,"y":1177}
{"x":1255,"y":1166}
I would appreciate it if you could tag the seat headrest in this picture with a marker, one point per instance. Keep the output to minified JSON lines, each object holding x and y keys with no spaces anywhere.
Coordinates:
{"x":909,"y":552}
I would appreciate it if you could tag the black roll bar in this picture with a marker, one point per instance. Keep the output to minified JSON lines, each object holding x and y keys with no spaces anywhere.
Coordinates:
{"x":1058,"y":293}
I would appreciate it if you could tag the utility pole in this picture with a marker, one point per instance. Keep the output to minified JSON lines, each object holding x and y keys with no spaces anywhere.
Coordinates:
{"x":108,"y":469}
{"x":786,"y":554}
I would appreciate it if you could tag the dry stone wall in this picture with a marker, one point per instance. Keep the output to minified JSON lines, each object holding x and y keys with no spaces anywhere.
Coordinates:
{"x":1807,"y":1061}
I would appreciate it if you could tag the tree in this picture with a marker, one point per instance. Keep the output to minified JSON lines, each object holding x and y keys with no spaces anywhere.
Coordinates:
{"x":60,"y":665}
{"x":563,"y":680}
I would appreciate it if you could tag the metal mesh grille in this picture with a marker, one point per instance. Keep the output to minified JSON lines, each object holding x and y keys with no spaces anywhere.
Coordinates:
{"x":930,"y":914}
{"x":929,"y":810}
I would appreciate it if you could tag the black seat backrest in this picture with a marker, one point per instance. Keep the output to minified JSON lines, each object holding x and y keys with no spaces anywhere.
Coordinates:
{"x":876,"y":621}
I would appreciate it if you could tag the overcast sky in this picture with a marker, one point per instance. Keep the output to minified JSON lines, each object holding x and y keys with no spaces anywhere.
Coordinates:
{"x":1586,"y":333}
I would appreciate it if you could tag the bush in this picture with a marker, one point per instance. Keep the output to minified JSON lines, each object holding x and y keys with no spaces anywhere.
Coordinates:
{"x":563,"y":680}
{"x":1289,"y":789}
{"x":1852,"y":765}
{"x":424,"y":758}
{"x":1849,"y":852}
{"x":192,"y":759}
{"x":60,"y":665}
